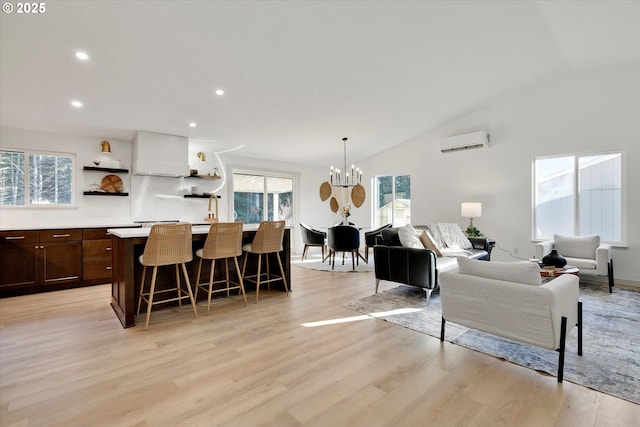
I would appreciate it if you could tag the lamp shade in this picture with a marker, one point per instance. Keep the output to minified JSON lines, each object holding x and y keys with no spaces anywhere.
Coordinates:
{"x":471,"y":209}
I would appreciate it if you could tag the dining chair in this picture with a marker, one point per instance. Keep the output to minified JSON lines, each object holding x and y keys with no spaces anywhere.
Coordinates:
{"x":370,"y":240}
{"x":224,"y":242}
{"x":267,"y":240}
{"x":312,"y":237}
{"x":167,"y":244}
{"x":343,"y":238}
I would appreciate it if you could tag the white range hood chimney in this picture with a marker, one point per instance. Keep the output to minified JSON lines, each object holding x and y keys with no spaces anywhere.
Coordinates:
{"x":160,"y":155}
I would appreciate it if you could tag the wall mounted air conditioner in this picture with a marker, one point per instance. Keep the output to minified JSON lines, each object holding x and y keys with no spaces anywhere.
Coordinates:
{"x":465,"y":141}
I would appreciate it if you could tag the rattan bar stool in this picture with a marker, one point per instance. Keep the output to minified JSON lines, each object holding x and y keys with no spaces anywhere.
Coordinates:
{"x":268,"y":240}
{"x":224,"y":241}
{"x":168,"y":244}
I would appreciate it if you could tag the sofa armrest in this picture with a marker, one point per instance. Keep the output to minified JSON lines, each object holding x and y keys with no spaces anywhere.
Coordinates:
{"x":483,"y":243}
{"x":603,"y":256}
{"x":565,"y":291}
{"x":410,"y":266}
{"x":542,"y":249}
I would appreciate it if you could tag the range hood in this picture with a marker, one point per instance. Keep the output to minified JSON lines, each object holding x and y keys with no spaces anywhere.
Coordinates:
{"x":160,"y":155}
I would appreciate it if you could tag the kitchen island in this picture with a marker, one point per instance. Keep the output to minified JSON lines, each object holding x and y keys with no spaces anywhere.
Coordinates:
{"x":128,"y":244}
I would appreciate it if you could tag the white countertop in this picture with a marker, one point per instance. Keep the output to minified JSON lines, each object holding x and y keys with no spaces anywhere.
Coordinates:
{"x":54,"y":226}
{"x":128,"y":233}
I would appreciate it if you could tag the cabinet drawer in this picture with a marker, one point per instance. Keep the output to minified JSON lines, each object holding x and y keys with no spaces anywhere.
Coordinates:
{"x":11,"y":237}
{"x":95,"y":233}
{"x":61,"y":235}
{"x":96,"y":249}
{"x":97,"y":269}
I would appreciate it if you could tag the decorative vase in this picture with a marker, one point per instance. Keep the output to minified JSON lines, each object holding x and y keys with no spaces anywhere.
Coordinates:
{"x":345,"y":220}
{"x":554,"y":259}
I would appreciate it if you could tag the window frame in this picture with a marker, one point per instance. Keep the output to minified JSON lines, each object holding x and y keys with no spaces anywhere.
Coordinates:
{"x":375,"y":193}
{"x":27,"y":179}
{"x":576,"y":193}
{"x":266,"y":174}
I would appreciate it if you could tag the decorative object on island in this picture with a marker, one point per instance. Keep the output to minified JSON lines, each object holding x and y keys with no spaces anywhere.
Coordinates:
{"x":339,"y":184}
{"x":554,"y":259}
{"x":212,"y":217}
{"x":471,"y":210}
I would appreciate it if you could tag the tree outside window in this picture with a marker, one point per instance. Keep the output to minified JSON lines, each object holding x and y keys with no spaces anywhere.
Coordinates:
{"x":29,"y":178}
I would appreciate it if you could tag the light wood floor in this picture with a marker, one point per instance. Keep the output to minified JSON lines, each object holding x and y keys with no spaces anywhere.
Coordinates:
{"x":66,"y":361}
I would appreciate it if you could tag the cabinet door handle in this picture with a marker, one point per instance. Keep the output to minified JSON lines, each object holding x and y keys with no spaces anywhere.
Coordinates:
{"x":107,"y":249}
{"x":61,"y":235}
{"x":109,"y":268}
{"x":14,"y":237}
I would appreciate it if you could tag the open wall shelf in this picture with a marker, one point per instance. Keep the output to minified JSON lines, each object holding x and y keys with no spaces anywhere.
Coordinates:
{"x":103,"y":193}
{"x":199,"y":196}
{"x":99,"y":169}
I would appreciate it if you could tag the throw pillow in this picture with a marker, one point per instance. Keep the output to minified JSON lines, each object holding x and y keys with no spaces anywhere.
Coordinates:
{"x":409,"y":237}
{"x":527,"y":273}
{"x":576,"y":247}
{"x":454,"y":237}
{"x":427,"y":242}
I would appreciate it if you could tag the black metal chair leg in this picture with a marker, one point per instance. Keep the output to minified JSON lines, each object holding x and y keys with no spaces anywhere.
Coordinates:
{"x":610,"y":274}
{"x":579,"y":328}
{"x":563,"y":337}
{"x":442,"y":329}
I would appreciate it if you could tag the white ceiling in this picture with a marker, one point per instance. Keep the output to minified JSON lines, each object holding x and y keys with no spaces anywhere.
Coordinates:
{"x":298,"y":75}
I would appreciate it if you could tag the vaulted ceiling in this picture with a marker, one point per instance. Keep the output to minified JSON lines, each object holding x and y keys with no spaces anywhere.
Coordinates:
{"x":297,"y":75}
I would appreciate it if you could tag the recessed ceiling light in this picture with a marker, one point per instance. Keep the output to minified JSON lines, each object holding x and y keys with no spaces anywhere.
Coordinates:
{"x":76,"y":104}
{"x":193,"y":124}
{"x":82,"y":55}
{"x":219,"y":92}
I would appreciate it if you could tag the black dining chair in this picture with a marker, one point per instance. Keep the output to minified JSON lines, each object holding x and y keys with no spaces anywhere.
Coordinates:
{"x":370,"y":240}
{"x":343,"y":238}
{"x":312,"y":237}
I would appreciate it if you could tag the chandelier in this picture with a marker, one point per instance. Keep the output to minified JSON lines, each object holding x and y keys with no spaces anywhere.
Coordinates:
{"x":341,"y":180}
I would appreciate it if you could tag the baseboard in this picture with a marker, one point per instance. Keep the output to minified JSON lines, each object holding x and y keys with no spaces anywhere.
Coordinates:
{"x":635,"y":284}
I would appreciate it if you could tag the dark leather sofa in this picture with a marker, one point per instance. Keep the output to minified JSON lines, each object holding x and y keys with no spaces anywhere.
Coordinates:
{"x":417,"y":267}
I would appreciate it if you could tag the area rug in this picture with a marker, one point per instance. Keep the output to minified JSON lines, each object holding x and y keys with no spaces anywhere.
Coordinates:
{"x":315,"y":263}
{"x":611,"y":336}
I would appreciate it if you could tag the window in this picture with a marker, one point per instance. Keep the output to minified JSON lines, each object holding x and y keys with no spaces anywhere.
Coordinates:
{"x":392,"y":200}
{"x":258,"y":197}
{"x":578,"y":195}
{"x":31,"y":178}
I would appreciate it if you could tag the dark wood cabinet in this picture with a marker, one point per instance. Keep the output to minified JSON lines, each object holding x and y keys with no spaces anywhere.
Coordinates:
{"x":31,"y":261}
{"x":96,"y":256}
{"x":19,"y":256}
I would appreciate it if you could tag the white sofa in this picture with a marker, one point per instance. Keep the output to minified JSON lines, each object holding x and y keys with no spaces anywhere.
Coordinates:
{"x":508,"y":300}
{"x":585,"y":252}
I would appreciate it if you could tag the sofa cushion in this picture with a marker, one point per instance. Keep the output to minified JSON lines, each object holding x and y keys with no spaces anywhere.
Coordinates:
{"x":427,"y":242}
{"x":409,"y":237}
{"x":518,"y":272}
{"x":389,"y":237}
{"x":446,"y":264}
{"x":576,"y":246}
{"x":453,"y":236}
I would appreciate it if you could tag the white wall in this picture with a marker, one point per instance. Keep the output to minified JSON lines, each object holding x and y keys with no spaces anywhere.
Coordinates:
{"x":586,"y":111}
{"x":152,"y":197}
{"x":88,"y":209}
